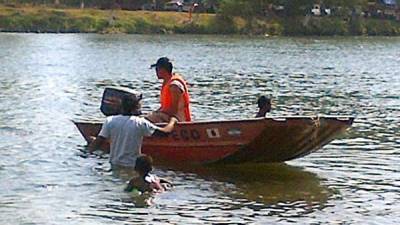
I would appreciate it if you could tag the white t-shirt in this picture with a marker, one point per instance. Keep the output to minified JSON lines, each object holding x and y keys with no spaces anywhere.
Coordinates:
{"x":126,"y":136}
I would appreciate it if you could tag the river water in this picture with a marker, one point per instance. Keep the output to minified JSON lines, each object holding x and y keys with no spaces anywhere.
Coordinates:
{"x":47,"y":80}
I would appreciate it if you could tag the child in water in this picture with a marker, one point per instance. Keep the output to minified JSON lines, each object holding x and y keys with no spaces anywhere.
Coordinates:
{"x":146,"y":182}
{"x":264,"y":105}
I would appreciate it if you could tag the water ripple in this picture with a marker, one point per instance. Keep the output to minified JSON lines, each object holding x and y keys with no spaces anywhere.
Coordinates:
{"x":47,"y":80}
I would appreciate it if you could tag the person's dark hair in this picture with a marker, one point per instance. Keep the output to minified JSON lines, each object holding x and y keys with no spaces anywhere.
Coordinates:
{"x":128,"y":105}
{"x":169,"y":67}
{"x":262,"y":101}
{"x":164,"y":63}
{"x":144,"y":164}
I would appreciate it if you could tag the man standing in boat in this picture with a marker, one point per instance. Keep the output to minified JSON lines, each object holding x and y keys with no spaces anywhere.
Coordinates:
{"x":125,"y":133}
{"x":174,"y":96}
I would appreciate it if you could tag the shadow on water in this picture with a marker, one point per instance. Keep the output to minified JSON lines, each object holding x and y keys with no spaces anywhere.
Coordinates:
{"x":267,"y":183}
{"x":267,"y":189}
{"x":263,"y":183}
{"x":278,"y":189}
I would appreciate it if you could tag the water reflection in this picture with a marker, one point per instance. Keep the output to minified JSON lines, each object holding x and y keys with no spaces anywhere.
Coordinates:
{"x":265,"y":189}
{"x":267,"y":183}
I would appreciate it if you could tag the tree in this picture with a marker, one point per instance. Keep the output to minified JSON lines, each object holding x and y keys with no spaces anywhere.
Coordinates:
{"x":244,"y":8}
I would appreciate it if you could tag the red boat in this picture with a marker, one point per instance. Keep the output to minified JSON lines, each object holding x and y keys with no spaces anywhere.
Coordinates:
{"x":239,"y":141}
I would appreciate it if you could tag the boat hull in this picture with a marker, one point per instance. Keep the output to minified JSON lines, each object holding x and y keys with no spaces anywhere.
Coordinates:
{"x":238,"y":141}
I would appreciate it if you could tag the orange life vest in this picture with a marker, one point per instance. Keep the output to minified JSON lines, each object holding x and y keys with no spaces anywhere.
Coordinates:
{"x":166,"y":99}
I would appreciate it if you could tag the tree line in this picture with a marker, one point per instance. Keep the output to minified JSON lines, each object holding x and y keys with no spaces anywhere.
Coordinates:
{"x":254,"y":8}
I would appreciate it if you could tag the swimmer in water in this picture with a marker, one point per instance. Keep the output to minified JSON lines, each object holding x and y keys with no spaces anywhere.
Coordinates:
{"x":264,"y":105}
{"x":146,"y":182}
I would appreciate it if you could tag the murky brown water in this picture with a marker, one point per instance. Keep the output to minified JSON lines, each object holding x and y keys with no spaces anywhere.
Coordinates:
{"x":47,"y":178}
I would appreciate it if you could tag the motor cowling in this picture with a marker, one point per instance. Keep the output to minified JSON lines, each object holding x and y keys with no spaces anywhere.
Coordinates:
{"x":112,"y":98}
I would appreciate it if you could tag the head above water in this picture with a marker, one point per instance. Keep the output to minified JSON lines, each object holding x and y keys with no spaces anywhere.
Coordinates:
{"x":144,"y":164}
{"x":130,"y":106}
{"x":163,"y":67}
{"x":264,"y":101}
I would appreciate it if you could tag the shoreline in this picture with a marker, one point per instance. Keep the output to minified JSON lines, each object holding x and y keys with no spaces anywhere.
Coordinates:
{"x":42,"y":19}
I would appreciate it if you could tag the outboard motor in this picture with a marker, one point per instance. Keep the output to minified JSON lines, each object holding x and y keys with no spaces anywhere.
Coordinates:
{"x":112,"y":98}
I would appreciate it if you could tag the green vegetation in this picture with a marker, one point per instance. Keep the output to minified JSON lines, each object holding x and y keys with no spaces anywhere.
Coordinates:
{"x":254,"y":17}
{"x":325,"y":26}
{"x":42,"y":19}
{"x":51,"y":20}
{"x":294,"y":18}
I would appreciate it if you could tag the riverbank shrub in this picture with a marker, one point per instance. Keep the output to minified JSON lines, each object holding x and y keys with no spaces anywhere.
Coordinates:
{"x":190,"y":28}
{"x":321,"y":26}
{"x":378,"y":27}
{"x":223,"y":25}
{"x":357,"y":26}
{"x":293,"y":27}
{"x":142,"y":26}
{"x":327,"y":26}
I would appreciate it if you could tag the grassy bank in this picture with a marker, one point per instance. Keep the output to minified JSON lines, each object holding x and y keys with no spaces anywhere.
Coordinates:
{"x":41,"y":19}
{"x":50,"y":20}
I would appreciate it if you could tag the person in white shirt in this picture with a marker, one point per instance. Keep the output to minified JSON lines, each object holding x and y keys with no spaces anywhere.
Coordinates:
{"x":125,"y":133}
